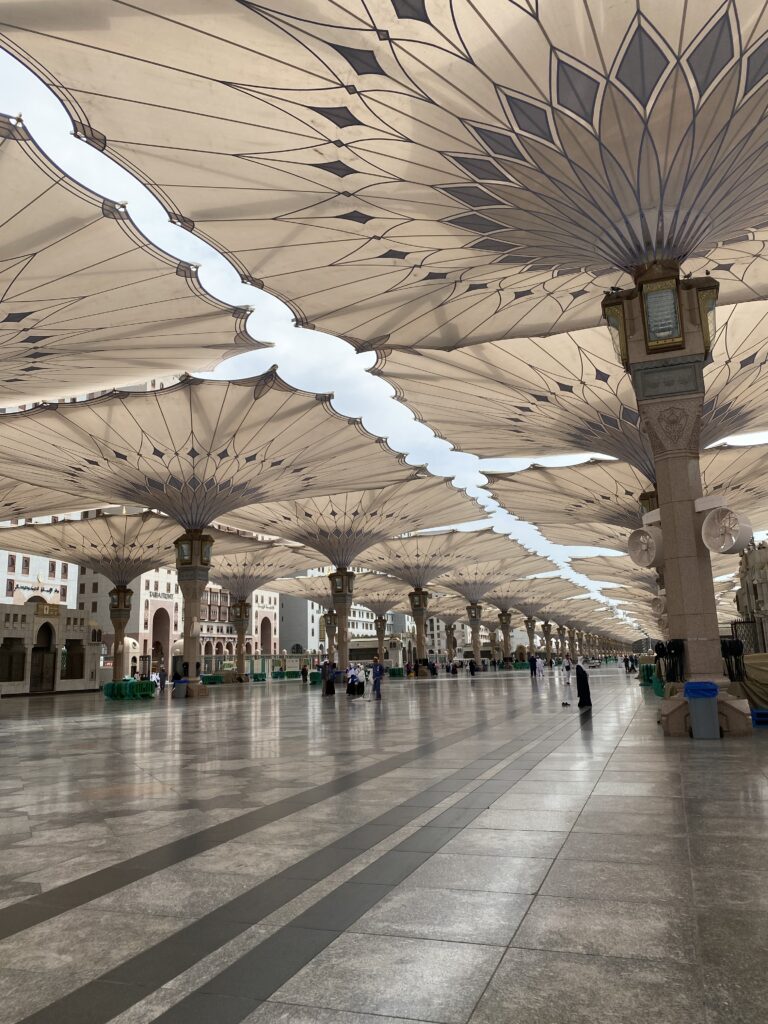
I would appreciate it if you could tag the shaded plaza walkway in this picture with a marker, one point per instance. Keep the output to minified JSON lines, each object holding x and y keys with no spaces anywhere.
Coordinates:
{"x":456,"y":853}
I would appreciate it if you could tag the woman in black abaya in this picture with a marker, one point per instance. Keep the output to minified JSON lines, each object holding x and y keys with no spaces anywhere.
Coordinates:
{"x":582,"y":686}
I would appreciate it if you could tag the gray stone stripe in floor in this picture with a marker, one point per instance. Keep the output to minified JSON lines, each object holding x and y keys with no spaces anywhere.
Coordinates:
{"x":117,"y":990}
{"x":55,"y":901}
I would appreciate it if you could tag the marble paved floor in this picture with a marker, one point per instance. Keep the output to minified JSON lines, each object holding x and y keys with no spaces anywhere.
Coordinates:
{"x":457,"y":853}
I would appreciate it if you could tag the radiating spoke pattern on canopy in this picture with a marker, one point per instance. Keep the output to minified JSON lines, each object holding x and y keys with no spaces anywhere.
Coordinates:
{"x":381,"y":594}
{"x":310,"y":588}
{"x":86,"y":303}
{"x":474,"y":581}
{"x":532,"y":597}
{"x":570,"y":394}
{"x":120,"y":547}
{"x":438,"y":172}
{"x":341,"y":526}
{"x":421,"y":557}
{"x":196,"y":450}
{"x":599,"y":502}
{"x":243,"y":572}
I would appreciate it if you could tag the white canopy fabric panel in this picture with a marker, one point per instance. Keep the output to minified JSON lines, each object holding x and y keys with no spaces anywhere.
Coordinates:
{"x":381,"y":594}
{"x":550,"y":396}
{"x":473,"y":582}
{"x":86,"y":302}
{"x":196,"y":450}
{"x":310,"y":588}
{"x":243,"y":572}
{"x":579,"y":501}
{"x":120,"y":547}
{"x":532,"y":598}
{"x":433,"y":172}
{"x":343,"y":525}
{"x":420,"y":558}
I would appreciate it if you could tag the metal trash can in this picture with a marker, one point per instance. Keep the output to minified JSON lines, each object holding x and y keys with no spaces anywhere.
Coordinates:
{"x":702,"y":708}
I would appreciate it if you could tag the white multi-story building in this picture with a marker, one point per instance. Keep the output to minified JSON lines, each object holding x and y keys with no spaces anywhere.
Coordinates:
{"x":155,"y":627}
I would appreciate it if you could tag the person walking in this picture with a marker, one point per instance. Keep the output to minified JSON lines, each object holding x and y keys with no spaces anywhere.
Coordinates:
{"x":582,"y":685}
{"x":539,"y":667}
{"x":304,"y":674}
{"x":162,"y":678}
{"x":378,"y":675}
{"x":532,"y":665}
{"x":567,"y":676}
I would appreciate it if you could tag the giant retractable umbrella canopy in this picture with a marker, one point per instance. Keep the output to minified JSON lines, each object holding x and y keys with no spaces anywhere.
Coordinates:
{"x":194,"y":451}
{"x":615,"y":495}
{"x":421,"y":557}
{"x":117,"y":545}
{"x":244,"y":571}
{"x":570,"y":393}
{"x":476,"y":580}
{"x":381,"y":594}
{"x":86,"y":302}
{"x":342,"y":526}
{"x":315,"y":589}
{"x":439,"y":173}
{"x":532,"y":598}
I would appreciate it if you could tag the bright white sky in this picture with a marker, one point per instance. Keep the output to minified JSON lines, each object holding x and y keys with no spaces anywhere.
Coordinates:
{"x":306,"y":359}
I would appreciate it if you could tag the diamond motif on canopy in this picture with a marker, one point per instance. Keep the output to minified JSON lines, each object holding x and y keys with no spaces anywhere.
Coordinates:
{"x":342,"y":526}
{"x":599,"y":494}
{"x":642,"y":137}
{"x":86,"y":303}
{"x":420,"y":558}
{"x":257,"y":439}
{"x":243,"y":572}
{"x":533,"y":397}
{"x":120,"y":547}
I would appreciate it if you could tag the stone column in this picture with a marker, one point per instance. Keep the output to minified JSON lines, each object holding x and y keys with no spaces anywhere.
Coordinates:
{"x":505,"y":625}
{"x":240,"y":615}
{"x":419,"y":598}
{"x":474,"y":613}
{"x":330,"y":620}
{"x":673,"y":429}
{"x":380,"y":625}
{"x":342,"y":590}
{"x":450,"y":640}
{"x":572,"y":642}
{"x":193,"y":562}
{"x":530,"y":626}
{"x":562,"y":633}
{"x":546,"y":629}
{"x":580,"y":642}
{"x":119,"y":614}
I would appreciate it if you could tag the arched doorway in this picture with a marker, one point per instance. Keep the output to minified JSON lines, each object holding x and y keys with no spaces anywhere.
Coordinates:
{"x":42,"y":678}
{"x":161,"y":639}
{"x":219,"y":649}
{"x":229,"y":649}
{"x":265,"y":636}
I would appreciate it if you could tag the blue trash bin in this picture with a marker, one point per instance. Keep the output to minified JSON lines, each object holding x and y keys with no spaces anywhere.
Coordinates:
{"x":702,"y":709}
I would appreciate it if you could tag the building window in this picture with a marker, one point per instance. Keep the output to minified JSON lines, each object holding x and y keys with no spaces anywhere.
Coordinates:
{"x":11,"y":563}
{"x":80,"y":606}
{"x":65,"y":570}
{"x":146,"y":584}
{"x":25,"y":566}
{"x":176,"y":588}
{"x":81,"y":588}
{"x":157,"y":585}
{"x":94,"y":587}
{"x":9,"y":588}
{"x":94,"y":606}
{"x":62,"y":593}
{"x":51,"y":570}
{"x":167,"y":588}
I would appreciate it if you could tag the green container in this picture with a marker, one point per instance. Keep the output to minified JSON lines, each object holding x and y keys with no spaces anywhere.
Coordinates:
{"x":396,"y":673}
{"x":314,"y":678}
